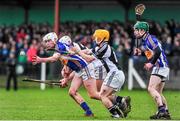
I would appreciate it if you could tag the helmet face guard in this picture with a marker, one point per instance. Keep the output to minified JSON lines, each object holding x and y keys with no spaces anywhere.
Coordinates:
{"x":66,"y":40}
{"x":49,"y":40}
{"x":50,"y":37}
{"x":98,"y":40}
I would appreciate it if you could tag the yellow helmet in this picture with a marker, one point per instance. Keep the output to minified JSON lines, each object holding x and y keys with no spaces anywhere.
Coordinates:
{"x":101,"y":35}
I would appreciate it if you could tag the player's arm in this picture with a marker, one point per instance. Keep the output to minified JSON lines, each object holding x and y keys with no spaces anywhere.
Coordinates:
{"x":157,"y":53}
{"x":87,"y":57}
{"x":37,"y":59}
{"x":66,"y":71}
{"x":68,"y":75}
{"x":64,"y":81}
{"x":156,"y":49}
{"x":82,"y":53}
{"x":87,"y":51}
{"x":71,"y":76}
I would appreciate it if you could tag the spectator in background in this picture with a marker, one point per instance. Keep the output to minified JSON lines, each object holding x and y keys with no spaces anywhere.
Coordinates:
{"x":1,"y":45}
{"x":25,"y":48}
{"x":5,"y":52}
{"x":176,"y":54}
{"x":22,"y":59}
{"x":171,"y":27}
{"x":168,"y":45}
{"x":11,"y":69}
{"x":25,"y":35}
{"x":32,"y":51}
{"x":21,"y":35}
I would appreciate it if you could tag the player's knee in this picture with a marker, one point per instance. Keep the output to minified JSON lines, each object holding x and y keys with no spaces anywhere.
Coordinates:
{"x":159,"y":90}
{"x":93,"y":95}
{"x":102,"y":96}
{"x":72,"y":92}
{"x":150,"y":89}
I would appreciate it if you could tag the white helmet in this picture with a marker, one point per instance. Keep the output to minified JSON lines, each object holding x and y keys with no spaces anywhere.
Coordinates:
{"x":50,"y":36}
{"x":66,"y":40}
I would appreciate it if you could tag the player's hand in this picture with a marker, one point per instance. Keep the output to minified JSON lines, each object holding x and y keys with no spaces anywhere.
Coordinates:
{"x":63,"y":83}
{"x":75,"y":50}
{"x":36,"y":59}
{"x":137,"y":52}
{"x":148,"y":66}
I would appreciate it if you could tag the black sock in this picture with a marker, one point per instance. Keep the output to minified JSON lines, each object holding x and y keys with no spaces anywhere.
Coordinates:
{"x":161,"y":109}
{"x":164,"y":104}
{"x":112,"y":110}
{"x":117,"y":99}
{"x":166,"y":109}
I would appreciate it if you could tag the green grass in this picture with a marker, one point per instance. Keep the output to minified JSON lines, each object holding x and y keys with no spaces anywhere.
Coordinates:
{"x":55,"y":104}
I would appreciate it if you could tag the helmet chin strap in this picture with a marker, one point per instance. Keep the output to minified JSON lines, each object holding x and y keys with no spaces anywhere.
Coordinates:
{"x":142,"y":35}
{"x":54,"y":41}
{"x":72,"y":44}
{"x":47,"y":48}
{"x":101,"y":42}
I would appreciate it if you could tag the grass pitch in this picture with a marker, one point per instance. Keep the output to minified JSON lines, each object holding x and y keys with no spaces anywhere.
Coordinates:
{"x":55,"y":104}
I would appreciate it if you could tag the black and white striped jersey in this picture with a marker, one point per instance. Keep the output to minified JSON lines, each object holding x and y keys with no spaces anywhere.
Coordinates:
{"x":108,"y":57}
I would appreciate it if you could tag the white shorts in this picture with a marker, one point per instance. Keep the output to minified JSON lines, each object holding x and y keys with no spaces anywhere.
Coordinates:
{"x":100,"y":73}
{"x":115,"y":80}
{"x":87,"y":72}
{"x":163,"y":72}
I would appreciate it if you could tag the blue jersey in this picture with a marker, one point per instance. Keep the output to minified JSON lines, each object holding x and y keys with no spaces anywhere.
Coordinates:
{"x":75,"y":62}
{"x":149,"y":43}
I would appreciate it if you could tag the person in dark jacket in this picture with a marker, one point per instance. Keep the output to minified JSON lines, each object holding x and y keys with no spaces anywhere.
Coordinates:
{"x":11,"y":70}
